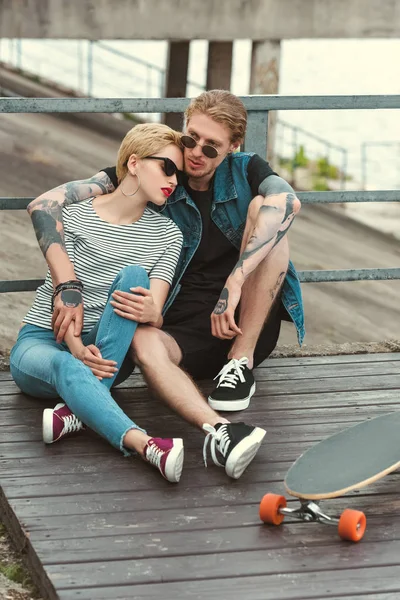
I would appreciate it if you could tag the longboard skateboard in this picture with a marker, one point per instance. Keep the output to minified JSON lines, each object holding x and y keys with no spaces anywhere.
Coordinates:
{"x":349,"y":460}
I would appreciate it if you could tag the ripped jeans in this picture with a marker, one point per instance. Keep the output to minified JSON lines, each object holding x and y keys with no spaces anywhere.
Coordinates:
{"x":44,"y":369}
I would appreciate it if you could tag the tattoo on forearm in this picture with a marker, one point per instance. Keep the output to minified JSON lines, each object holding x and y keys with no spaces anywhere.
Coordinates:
{"x":46,"y":213}
{"x":288,"y":218}
{"x":76,"y":191}
{"x":222,"y":303}
{"x":254,"y":239}
{"x":277,"y":285}
{"x":45,"y":226}
{"x":71,"y":298}
{"x":271,"y":229}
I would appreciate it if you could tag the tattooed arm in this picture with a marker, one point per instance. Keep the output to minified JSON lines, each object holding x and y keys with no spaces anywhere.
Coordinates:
{"x":274,"y":220}
{"x":46,"y":214}
{"x":275,"y":216}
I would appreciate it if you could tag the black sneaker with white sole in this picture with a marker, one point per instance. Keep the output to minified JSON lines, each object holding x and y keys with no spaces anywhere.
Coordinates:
{"x":232,"y":445}
{"x":235,"y":386}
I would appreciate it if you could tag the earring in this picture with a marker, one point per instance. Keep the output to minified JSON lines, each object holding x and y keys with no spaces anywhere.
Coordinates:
{"x":137,"y":189}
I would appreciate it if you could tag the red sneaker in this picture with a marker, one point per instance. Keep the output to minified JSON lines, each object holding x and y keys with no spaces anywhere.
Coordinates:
{"x":59,"y":421}
{"x":167,"y":455}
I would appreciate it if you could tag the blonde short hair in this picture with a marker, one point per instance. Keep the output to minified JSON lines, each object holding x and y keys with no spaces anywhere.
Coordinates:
{"x":223,"y":107}
{"x":144,"y":140}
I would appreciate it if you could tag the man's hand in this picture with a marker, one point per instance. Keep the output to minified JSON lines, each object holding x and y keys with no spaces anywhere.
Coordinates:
{"x":136,"y":306}
{"x":223,"y":323}
{"x":68,"y":308}
{"x":91,"y":356}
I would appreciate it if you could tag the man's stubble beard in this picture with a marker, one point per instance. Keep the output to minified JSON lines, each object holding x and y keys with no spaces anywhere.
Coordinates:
{"x":197,"y":175}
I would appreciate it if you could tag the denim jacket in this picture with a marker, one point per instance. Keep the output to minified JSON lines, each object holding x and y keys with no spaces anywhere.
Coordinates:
{"x":232,"y":196}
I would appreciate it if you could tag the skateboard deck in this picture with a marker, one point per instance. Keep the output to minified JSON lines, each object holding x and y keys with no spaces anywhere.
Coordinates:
{"x":353,"y":458}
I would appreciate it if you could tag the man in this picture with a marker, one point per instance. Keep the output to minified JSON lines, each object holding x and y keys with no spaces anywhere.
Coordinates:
{"x":234,"y":213}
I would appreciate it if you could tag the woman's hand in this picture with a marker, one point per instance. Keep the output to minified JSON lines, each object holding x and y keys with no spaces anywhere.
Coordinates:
{"x":91,"y":357}
{"x":137,"y":306}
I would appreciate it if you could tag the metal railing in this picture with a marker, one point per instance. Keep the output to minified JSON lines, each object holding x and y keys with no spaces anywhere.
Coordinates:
{"x":299,"y":137}
{"x":256,"y":141}
{"x":91,"y":67}
{"x":88,"y":67}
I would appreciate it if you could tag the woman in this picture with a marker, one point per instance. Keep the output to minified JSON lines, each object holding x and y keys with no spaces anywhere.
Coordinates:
{"x":124,"y":257}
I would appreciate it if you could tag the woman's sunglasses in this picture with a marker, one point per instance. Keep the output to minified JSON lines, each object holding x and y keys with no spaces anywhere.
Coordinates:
{"x":170,"y":167}
{"x":207,"y":150}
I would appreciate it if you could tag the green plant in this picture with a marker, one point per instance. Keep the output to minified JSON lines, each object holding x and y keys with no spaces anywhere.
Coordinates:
{"x":131,"y":117}
{"x":325,"y":169}
{"x":300,"y":159}
{"x":12,"y":566}
{"x":285,"y":163}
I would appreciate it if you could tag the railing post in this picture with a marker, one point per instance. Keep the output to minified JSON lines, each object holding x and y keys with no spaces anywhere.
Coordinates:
{"x":176,"y":78}
{"x":257,"y":132}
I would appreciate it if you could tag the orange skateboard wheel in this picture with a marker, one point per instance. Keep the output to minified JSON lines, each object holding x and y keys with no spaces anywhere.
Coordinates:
{"x":352,"y":524}
{"x":269,"y":509}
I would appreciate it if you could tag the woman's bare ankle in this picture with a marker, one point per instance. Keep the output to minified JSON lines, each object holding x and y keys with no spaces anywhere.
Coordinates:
{"x":136,"y":440}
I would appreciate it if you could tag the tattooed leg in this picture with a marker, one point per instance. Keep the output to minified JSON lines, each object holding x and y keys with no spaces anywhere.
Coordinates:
{"x":158,"y":356}
{"x":259,"y":293}
{"x":260,"y":289}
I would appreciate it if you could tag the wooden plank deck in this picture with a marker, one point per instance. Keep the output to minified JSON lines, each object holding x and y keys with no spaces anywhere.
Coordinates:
{"x":95,"y":525}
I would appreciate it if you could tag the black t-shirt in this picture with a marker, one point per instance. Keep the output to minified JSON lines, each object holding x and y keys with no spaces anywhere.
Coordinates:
{"x":215,"y":256}
{"x":258,"y":169}
{"x":206,"y":273}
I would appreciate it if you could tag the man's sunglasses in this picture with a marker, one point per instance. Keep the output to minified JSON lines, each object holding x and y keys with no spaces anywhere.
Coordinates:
{"x":170,"y":167}
{"x":207,"y":150}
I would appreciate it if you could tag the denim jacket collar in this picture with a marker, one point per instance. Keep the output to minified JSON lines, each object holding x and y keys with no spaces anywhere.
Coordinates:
{"x":224,"y":187}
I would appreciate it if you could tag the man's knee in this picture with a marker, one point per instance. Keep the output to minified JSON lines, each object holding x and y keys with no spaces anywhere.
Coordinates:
{"x":150,"y":344}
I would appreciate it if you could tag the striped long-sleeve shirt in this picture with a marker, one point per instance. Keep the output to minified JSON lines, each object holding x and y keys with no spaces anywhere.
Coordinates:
{"x":99,"y":250}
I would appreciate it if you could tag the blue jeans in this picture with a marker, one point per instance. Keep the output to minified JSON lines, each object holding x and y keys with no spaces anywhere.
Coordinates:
{"x":42,"y":368}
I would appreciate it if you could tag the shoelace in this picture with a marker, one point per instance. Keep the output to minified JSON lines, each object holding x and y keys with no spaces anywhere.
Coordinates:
{"x":218,"y":438}
{"x":154,"y":455}
{"x":230,"y":372}
{"x":71,"y":423}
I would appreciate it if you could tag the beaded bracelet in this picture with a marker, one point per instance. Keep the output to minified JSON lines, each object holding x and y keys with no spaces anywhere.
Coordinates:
{"x":74,"y":282}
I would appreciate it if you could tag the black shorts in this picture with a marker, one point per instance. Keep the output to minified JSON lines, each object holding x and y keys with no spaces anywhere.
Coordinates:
{"x":204,"y":355}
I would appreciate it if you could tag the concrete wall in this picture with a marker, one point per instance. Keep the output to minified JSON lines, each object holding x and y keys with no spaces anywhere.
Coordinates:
{"x":205,"y":19}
